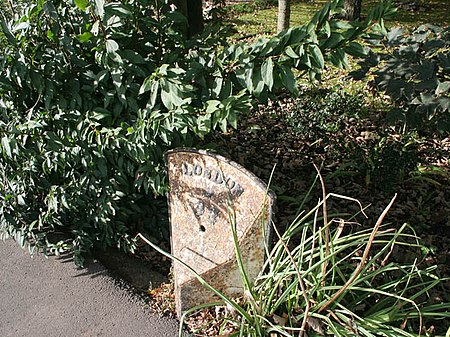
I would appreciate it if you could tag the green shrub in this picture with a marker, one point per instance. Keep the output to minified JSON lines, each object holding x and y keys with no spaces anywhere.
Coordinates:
{"x":384,"y":159}
{"x":415,"y":73}
{"x":324,"y":110}
{"x":77,"y":155}
{"x":261,"y":4}
{"x":92,"y":94}
{"x":248,"y":6}
{"x":342,"y":126}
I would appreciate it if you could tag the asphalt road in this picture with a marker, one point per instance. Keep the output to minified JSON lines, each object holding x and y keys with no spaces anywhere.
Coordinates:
{"x":51,"y":297}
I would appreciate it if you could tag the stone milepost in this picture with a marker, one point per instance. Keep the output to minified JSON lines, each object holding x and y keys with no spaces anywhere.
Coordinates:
{"x":206,"y":191}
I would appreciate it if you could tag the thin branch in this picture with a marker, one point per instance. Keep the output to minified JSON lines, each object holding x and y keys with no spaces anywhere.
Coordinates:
{"x":11,"y":6}
{"x":363,"y":259}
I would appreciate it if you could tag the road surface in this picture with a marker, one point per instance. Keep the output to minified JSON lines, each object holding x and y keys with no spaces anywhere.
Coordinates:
{"x":51,"y":297}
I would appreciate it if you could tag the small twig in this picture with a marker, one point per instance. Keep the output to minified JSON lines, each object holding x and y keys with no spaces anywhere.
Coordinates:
{"x":388,"y":255}
{"x":300,"y":281}
{"x":363,"y":259}
{"x":341,"y":227}
{"x":11,"y":5}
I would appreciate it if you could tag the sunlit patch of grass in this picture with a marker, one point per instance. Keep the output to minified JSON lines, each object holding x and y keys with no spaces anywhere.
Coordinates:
{"x":436,"y":12}
{"x":264,"y":21}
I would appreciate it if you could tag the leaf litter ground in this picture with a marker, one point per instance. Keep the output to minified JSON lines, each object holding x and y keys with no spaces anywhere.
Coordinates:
{"x":363,"y":158}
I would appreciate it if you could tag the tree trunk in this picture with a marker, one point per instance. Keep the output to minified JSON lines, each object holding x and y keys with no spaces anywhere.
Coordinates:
{"x":352,"y":9}
{"x":195,"y":16}
{"x":193,"y":11}
{"x":284,"y":14}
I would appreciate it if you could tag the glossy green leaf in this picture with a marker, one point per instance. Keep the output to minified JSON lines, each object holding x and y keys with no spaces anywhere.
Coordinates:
{"x":333,"y":41}
{"x":326,"y":29}
{"x":5,"y":146}
{"x":267,"y":72}
{"x":212,"y":106}
{"x":355,"y":49}
{"x":118,"y":9}
{"x":100,"y":7}
{"x":171,"y":95}
{"x":288,"y":79}
{"x":258,"y":82}
{"x":111,"y":46}
{"x":316,"y":56}
{"x":132,"y":56}
{"x":10,"y":37}
{"x":85,"y":37}
{"x":290,"y":52}
{"x":154,"y":92}
{"x":443,"y":87}
{"x":82,"y":4}
{"x":339,"y":59}
{"x":146,"y":86}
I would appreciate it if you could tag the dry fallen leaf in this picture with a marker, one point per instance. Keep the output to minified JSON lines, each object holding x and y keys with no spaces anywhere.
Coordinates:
{"x":316,"y":325}
{"x":281,"y":321}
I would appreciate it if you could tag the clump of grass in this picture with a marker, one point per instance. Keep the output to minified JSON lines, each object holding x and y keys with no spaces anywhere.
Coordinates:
{"x":323,"y":278}
{"x":339,"y":284}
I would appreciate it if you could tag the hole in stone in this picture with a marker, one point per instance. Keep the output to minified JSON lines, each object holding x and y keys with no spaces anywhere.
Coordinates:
{"x":202,"y":228}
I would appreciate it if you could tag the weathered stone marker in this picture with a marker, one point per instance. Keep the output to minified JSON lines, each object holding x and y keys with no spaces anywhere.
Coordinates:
{"x":205,"y":190}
